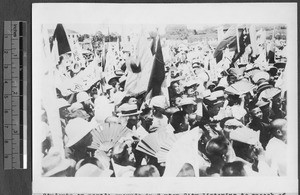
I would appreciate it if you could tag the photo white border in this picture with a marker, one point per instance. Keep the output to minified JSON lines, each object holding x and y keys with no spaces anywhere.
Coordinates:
{"x":204,"y":13}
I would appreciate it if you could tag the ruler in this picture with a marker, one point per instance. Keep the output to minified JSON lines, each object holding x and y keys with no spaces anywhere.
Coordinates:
{"x":15,"y":94}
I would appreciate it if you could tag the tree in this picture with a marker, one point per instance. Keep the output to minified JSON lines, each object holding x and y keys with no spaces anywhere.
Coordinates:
{"x":178,"y":32}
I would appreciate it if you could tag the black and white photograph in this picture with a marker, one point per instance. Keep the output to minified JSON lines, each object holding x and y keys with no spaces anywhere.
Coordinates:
{"x":201,"y":91}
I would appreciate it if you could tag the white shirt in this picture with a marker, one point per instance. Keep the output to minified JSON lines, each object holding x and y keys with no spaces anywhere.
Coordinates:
{"x":276,"y":156}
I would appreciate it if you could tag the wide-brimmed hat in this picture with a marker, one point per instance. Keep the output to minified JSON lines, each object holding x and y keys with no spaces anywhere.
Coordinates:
{"x":91,"y":170}
{"x":119,"y":73}
{"x":61,"y":103}
{"x":82,"y":96}
{"x":191,"y":83}
{"x":240,"y":87}
{"x":76,"y":129}
{"x":262,"y":103}
{"x":187,"y":101}
{"x":111,"y":78}
{"x":176,"y":79}
{"x":234,"y":122}
{"x":158,"y":101}
{"x":215,"y":98}
{"x":260,"y":75}
{"x":128,"y":110}
{"x":122,"y":79}
{"x":245,"y":135}
{"x":54,"y":163}
{"x":269,"y":93}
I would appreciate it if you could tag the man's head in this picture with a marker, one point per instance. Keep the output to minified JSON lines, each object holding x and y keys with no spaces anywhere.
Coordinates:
{"x":233,"y":169}
{"x":130,"y":114}
{"x":279,"y":129}
{"x":122,"y":155}
{"x":146,"y":171}
{"x":188,"y":105}
{"x":78,"y":132}
{"x":176,"y":87}
{"x":187,"y":170}
{"x":179,"y":122}
{"x":217,"y":146}
{"x":256,"y":113}
{"x":231,"y":125}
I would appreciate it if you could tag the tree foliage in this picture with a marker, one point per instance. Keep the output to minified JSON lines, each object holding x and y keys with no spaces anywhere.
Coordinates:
{"x":177,"y":32}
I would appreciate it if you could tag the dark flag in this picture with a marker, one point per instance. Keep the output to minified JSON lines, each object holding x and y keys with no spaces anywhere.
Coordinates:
{"x":229,"y":41}
{"x":153,"y":45}
{"x":62,"y":40}
{"x":158,"y":72}
{"x":244,"y":41}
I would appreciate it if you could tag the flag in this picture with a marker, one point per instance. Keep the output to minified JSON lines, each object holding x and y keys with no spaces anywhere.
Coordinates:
{"x":137,"y":83}
{"x":271,"y":49}
{"x":62,"y":40}
{"x":229,"y":40}
{"x":158,"y":72}
{"x":253,"y":39}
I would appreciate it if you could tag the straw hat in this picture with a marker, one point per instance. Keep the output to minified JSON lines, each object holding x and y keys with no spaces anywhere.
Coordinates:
{"x":54,"y":163}
{"x":260,"y":75}
{"x":233,"y":122}
{"x":190,"y":83}
{"x":187,"y":101}
{"x":158,"y":101}
{"x":245,"y":135}
{"x":268,"y":94}
{"x":128,"y":110}
{"x":76,"y":129}
{"x":82,"y":96}
{"x":91,"y":170}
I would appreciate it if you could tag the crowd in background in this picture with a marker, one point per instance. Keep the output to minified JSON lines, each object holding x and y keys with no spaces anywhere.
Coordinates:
{"x":206,"y":119}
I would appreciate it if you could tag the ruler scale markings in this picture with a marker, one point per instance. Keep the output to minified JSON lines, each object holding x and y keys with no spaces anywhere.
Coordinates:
{"x":14,"y":88}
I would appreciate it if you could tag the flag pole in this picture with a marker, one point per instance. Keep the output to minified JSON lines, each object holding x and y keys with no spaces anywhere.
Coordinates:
{"x":237,"y":39}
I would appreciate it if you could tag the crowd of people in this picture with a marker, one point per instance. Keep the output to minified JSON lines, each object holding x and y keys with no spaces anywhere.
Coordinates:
{"x":210,"y":120}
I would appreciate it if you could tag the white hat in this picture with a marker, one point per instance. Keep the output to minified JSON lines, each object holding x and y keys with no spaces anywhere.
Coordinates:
{"x":206,"y":93}
{"x":233,"y":122}
{"x":260,"y":75}
{"x":216,"y":94}
{"x":75,"y":106}
{"x":245,"y":135}
{"x":76,"y":129}
{"x":158,"y":101}
{"x":82,"y":96}
{"x":61,"y":102}
{"x":128,"y":110}
{"x":91,"y":170}
{"x":187,"y":101}
{"x":54,"y":163}
{"x":269,"y":93}
{"x":122,"y":78}
{"x":190,"y":83}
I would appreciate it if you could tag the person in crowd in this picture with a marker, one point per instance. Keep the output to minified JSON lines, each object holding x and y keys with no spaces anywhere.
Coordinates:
{"x":146,"y":171}
{"x":123,"y":160}
{"x":129,"y":115}
{"x":219,"y":151}
{"x":276,"y":150}
{"x":197,"y":93}
{"x":180,"y":120}
{"x":79,"y":138}
{"x":175,"y":91}
{"x":233,"y":169}
{"x":54,"y":164}
{"x":257,"y":124}
{"x":83,"y":107}
{"x":158,"y":105}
